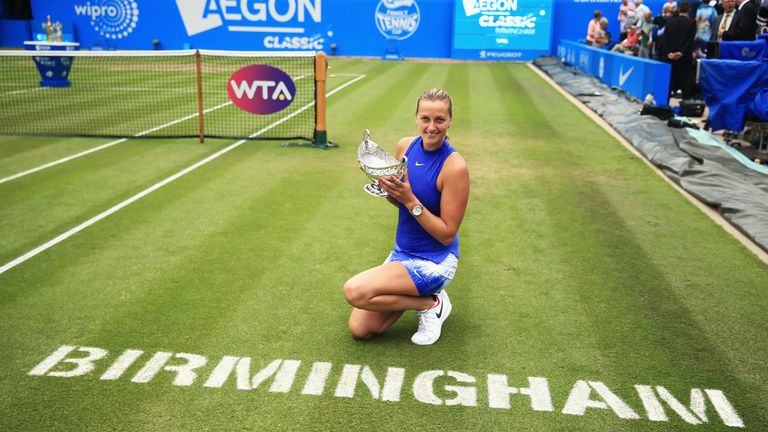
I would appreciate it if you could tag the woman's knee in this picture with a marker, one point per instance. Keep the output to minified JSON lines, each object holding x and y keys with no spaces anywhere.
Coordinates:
{"x":354,"y":292}
{"x":360,"y":330}
{"x":366,"y":324}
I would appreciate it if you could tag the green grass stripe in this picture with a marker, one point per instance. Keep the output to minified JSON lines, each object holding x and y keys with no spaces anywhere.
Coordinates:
{"x":578,"y":263}
{"x":40,"y":206}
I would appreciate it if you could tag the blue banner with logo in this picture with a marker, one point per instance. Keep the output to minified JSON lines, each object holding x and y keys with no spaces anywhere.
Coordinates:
{"x":501,"y":29}
{"x":743,"y":50}
{"x":364,"y":28}
{"x":636,"y":76}
{"x":490,"y":29}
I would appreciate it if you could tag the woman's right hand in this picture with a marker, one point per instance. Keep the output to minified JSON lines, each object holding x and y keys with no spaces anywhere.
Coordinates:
{"x":398,"y":190}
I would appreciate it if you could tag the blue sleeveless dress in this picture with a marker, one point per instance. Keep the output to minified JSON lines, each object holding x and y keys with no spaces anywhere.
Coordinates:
{"x":423,"y":169}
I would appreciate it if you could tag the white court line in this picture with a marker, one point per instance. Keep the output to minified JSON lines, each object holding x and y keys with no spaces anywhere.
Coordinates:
{"x":103,"y":146}
{"x":25,"y":91}
{"x":61,"y":161}
{"x":110,"y":144}
{"x":156,"y":186}
{"x":122,"y":89}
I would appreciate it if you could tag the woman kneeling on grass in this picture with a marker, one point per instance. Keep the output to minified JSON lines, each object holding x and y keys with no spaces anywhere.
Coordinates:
{"x":431,"y":199}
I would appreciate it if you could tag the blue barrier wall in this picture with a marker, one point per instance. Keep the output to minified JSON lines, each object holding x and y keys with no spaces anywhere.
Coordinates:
{"x":485,"y":29}
{"x":13,"y":33}
{"x":636,"y":76}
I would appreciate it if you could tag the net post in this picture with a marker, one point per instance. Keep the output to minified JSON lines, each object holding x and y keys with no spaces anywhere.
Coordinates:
{"x":320,"y":137}
{"x":199,"y":95}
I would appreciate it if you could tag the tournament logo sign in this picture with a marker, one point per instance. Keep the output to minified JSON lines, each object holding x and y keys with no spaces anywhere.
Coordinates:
{"x":261,"y":89}
{"x":285,"y":24}
{"x":397,"y":19}
{"x":113,"y":19}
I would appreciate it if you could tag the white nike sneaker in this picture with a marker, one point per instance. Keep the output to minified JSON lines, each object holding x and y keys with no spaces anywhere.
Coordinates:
{"x":431,"y":320}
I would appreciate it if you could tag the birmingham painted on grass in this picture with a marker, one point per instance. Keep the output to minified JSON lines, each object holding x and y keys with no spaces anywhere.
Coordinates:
{"x":69,"y":361}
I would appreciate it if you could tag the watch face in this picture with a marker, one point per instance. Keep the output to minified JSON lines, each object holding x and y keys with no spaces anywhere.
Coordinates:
{"x":416,"y":210}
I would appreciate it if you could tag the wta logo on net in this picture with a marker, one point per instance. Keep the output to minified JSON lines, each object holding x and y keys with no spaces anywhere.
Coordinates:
{"x":113,"y":19}
{"x":261,"y":89}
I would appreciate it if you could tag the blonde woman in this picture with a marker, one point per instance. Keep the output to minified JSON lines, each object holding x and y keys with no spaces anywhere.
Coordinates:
{"x":431,"y":199}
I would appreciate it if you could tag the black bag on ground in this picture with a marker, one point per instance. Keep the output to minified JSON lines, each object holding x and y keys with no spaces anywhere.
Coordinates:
{"x":662,"y":112}
{"x":692,"y":108}
{"x":680,"y":123}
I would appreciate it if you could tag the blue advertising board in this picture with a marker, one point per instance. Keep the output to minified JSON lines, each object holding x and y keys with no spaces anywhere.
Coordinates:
{"x":501,"y":29}
{"x":357,"y":28}
{"x":467,"y":29}
{"x":636,"y":76}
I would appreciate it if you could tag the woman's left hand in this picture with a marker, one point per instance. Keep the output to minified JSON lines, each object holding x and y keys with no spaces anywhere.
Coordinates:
{"x":398,"y":190}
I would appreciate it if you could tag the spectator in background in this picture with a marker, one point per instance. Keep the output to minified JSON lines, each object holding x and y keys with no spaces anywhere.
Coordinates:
{"x":641,"y":9}
{"x":593,"y":27}
{"x":705,"y":24}
{"x":624,"y":14}
{"x":657,"y":32}
{"x":744,"y":25}
{"x":672,"y":5}
{"x":603,"y":38}
{"x":719,"y":7}
{"x":628,"y":45}
{"x":723,"y":21}
{"x":762,"y":17}
{"x":695,"y":4}
{"x":679,"y":36}
{"x":646,"y":26}
{"x":632,"y":20}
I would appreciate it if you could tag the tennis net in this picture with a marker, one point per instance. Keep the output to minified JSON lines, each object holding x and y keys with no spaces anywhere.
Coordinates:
{"x":163,"y":94}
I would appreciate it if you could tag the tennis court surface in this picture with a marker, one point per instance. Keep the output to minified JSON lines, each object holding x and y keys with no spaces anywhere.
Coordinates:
{"x":165,"y":284}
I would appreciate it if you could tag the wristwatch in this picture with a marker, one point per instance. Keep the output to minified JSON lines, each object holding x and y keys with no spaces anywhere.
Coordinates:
{"x":416,"y":210}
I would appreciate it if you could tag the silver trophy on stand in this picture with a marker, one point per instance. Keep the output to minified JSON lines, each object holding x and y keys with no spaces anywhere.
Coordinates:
{"x":376,"y":163}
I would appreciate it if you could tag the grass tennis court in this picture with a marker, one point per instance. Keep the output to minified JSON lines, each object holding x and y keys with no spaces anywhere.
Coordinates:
{"x":583,"y":276}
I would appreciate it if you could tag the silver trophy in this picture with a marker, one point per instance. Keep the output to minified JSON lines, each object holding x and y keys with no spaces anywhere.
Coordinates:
{"x":377,"y":163}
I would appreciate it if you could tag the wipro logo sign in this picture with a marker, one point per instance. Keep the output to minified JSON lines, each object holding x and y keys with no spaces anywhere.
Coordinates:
{"x":261,"y":89}
{"x":113,"y":19}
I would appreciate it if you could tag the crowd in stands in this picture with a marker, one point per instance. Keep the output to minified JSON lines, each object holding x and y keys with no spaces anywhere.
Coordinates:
{"x":644,"y":35}
{"x":680,"y":32}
